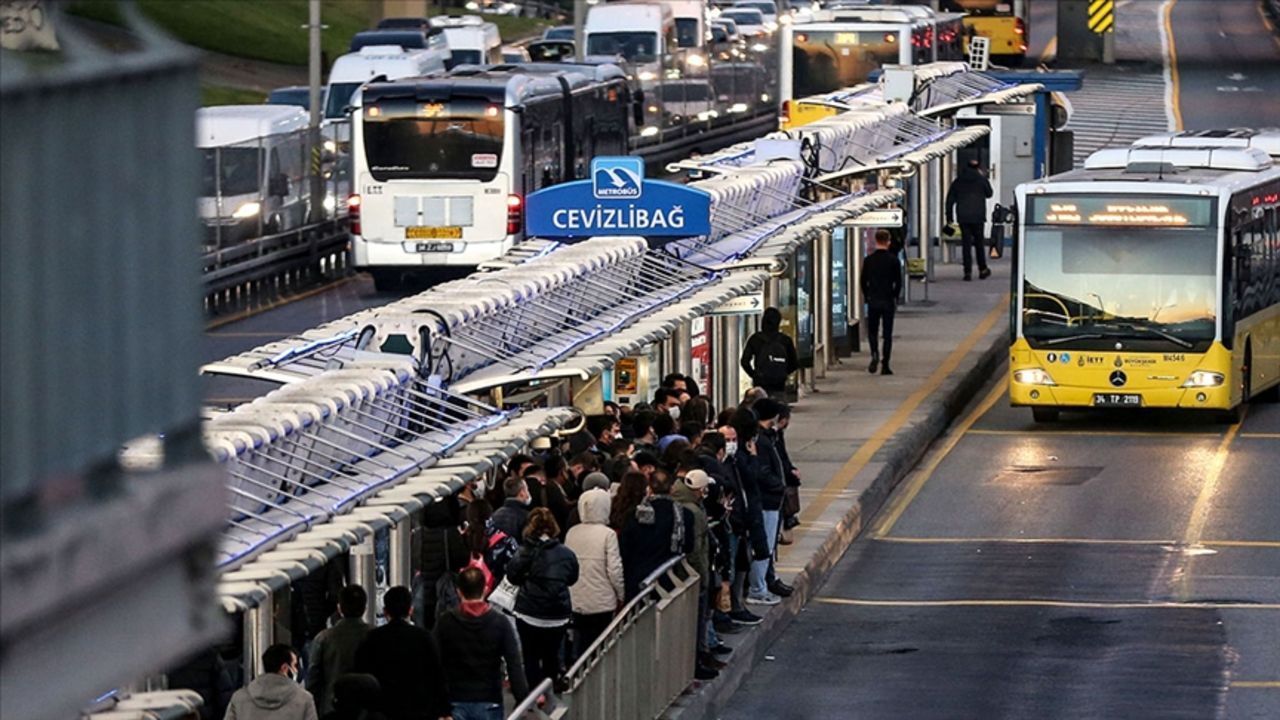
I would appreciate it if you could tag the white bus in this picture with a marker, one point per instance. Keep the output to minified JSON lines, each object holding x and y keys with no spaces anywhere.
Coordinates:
{"x":841,"y":47}
{"x":471,"y":40}
{"x":442,"y":165}
{"x":390,"y":62}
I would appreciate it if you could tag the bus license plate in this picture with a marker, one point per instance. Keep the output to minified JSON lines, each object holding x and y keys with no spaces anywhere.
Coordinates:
{"x":419,"y":232}
{"x":435,"y":247}
{"x":1110,"y":400}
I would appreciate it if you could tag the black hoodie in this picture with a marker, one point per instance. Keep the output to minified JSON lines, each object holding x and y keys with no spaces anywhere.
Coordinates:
{"x":757,"y":347}
{"x":967,"y":197}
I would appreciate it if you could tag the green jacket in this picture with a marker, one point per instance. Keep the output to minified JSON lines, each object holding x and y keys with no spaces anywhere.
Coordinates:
{"x":700,"y":558}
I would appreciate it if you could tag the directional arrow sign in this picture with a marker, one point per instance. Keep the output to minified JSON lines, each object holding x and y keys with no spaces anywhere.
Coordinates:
{"x":744,"y":305}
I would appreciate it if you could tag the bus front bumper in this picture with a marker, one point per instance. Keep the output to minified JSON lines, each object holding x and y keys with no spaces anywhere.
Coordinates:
{"x":1066,"y":396}
{"x":452,"y":253}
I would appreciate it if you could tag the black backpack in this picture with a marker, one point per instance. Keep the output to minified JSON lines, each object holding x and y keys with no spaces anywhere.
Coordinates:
{"x":771,"y":361}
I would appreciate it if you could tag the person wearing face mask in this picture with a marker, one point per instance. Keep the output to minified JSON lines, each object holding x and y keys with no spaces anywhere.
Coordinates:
{"x":275,"y":694}
{"x":729,"y":515}
{"x":514,"y":513}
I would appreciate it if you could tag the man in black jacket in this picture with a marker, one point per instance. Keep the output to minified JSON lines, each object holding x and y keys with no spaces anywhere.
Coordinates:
{"x":333,"y":652}
{"x":967,"y":204}
{"x":769,"y":355}
{"x":881,"y":282}
{"x":477,"y":640}
{"x":771,"y":476}
{"x":404,"y":659}
{"x":514,"y":513}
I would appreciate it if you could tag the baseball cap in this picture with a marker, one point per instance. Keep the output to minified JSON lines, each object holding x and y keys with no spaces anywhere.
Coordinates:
{"x":697,"y":479}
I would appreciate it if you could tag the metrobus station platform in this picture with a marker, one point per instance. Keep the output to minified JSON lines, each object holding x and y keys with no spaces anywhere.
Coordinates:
{"x":859,"y":434}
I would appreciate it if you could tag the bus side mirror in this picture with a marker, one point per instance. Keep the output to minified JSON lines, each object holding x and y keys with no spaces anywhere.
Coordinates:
{"x":637,"y":108}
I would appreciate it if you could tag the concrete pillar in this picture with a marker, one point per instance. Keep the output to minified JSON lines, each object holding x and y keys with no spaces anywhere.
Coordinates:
{"x":401,"y":553}
{"x":363,"y":571}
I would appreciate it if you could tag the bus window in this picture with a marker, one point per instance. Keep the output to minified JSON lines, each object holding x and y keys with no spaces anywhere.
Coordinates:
{"x":335,"y":105}
{"x":829,"y":60}
{"x":686,"y":32}
{"x":456,"y":138}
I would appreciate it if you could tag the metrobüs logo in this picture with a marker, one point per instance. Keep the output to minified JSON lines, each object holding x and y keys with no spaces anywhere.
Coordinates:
{"x":617,"y":177}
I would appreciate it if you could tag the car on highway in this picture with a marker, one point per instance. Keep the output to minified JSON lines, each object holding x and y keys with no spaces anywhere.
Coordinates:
{"x":550,"y":50}
{"x":514,"y":55}
{"x":559,"y":32}
{"x":296,"y":95}
{"x":750,"y":21}
{"x":766,"y":7}
{"x":407,"y":39}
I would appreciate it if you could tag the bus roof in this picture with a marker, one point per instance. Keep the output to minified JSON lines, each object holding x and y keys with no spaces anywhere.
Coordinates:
{"x":232,"y":124}
{"x":507,"y":84}
{"x":390,"y":60}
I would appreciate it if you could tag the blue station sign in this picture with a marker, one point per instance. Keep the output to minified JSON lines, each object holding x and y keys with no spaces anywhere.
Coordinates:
{"x":618,"y":200}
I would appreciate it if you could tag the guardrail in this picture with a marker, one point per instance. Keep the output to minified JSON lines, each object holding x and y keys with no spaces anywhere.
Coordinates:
{"x":642,"y":661}
{"x":273,"y":265}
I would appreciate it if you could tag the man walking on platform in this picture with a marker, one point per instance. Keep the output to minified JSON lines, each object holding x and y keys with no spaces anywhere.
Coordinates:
{"x":769,"y":355}
{"x":275,"y":694}
{"x":405,"y":660}
{"x":967,"y":203}
{"x":881,"y":282}
{"x":333,"y":652}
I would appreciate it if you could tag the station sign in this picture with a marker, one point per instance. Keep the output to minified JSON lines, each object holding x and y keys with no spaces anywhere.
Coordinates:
{"x":752,"y":304}
{"x":888,"y":217}
{"x":618,"y":200}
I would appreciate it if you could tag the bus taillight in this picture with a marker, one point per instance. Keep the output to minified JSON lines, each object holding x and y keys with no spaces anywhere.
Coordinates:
{"x":515,"y":214}
{"x":353,"y":213}
{"x":1018,"y":26}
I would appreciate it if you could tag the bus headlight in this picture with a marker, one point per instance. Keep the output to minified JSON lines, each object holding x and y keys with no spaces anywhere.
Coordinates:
{"x":247,"y":210}
{"x":1203,"y":379}
{"x":647,"y":76}
{"x":1033,"y":376}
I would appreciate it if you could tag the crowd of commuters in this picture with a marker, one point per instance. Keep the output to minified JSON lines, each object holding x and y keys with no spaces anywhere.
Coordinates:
{"x":513,"y":596}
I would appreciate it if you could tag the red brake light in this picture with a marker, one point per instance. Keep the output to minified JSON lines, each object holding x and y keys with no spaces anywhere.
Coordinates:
{"x":353,"y":213}
{"x":1018,"y":27}
{"x":515,"y":214}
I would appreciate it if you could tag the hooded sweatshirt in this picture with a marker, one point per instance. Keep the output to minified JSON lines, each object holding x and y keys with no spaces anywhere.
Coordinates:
{"x":770,"y":334}
{"x":272,"y":696}
{"x":476,"y":639}
{"x":967,"y":196}
{"x":600,"y":580}
{"x":700,"y":557}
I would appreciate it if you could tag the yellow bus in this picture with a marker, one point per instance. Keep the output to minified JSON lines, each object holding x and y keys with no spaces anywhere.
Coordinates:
{"x":1151,"y":278}
{"x":1003,"y":22}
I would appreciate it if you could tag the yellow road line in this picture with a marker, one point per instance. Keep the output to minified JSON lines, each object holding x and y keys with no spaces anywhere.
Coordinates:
{"x":1266,"y":684}
{"x":1269,"y":544}
{"x":1175,"y":96}
{"x":868,"y":449}
{"x":1099,"y":433}
{"x":1212,"y":474}
{"x":1013,"y":602}
{"x":223,"y":321}
{"x":1260,"y":436}
{"x":887,"y":520}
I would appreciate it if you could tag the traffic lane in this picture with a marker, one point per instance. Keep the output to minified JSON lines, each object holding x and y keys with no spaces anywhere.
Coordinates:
{"x":236,"y":334}
{"x":870,"y":662}
{"x":1227,"y":60}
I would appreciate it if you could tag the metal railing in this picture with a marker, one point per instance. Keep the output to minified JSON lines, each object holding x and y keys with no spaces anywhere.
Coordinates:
{"x":639,"y":665}
{"x":262,"y":267}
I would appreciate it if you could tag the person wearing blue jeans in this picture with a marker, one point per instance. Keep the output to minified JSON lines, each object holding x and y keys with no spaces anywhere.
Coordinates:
{"x":477,"y":711}
{"x":758,"y":593}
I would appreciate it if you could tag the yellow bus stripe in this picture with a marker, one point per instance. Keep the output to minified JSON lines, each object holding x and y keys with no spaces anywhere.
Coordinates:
{"x":1014,"y":602}
{"x":885,"y":525}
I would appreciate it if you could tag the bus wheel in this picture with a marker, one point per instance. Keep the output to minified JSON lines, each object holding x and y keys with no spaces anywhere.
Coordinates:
{"x":1044,"y":415}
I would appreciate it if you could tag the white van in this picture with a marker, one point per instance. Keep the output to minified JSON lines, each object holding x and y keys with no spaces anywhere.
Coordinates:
{"x":471,"y":40}
{"x":389,"y":61}
{"x":252,"y":171}
{"x":643,"y":34}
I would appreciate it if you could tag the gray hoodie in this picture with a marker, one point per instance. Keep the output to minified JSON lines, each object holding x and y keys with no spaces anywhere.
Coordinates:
{"x":600,"y":579}
{"x":272,"y":696}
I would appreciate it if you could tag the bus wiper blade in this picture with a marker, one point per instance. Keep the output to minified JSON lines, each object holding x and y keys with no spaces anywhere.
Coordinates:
{"x":1072,"y":338}
{"x":1154,"y":331}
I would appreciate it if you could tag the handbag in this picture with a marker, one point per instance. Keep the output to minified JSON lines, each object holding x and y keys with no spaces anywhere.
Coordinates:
{"x":791,"y":501}
{"x":504,"y":596}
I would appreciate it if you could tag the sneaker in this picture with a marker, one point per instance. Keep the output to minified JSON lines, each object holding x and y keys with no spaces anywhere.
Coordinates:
{"x":885,"y":370}
{"x":721,"y":649}
{"x":706,"y":673}
{"x":766,"y":599}
{"x":781,"y":589}
{"x":745,"y":617}
{"x":984,"y":273}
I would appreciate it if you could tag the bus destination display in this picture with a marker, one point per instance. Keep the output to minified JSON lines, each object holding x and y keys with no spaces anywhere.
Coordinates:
{"x":1120,"y":211}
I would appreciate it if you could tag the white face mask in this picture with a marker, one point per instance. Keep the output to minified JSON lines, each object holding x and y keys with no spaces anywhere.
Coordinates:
{"x":294,"y":676}
{"x":674,"y":412}
{"x":730,"y":447}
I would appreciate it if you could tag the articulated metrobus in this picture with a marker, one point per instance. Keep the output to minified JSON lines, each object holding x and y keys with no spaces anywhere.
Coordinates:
{"x":442,"y":164}
{"x":1151,"y":278}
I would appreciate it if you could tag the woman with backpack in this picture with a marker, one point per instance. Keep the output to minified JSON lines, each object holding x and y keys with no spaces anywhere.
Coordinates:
{"x":543,"y":570}
{"x":490,"y":548}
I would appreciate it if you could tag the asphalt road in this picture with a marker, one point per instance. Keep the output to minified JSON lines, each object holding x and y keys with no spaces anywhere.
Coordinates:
{"x":1123,"y":566}
{"x":1227,"y":60}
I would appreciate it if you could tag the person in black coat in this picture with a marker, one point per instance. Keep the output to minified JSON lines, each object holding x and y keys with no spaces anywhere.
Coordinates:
{"x":657,"y":531}
{"x":769,"y":356}
{"x":967,"y":205}
{"x":441,"y":549}
{"x":404,"y":659}
{"x":543,"y":570}
{"x":881,"y":282}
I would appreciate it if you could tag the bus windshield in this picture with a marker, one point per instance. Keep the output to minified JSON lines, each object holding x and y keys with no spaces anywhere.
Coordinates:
{"x":687,"y":32}
{"x":335,"y":105}
{"x":231,"y":170}
{"x":1155,"y":288}
{"x":828,"y":60}
{"x":465,"y":57}
{"x":634,"y":46}
{"x":458,"y":138}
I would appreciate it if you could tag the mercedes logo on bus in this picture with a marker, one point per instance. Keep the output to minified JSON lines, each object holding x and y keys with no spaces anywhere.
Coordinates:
{"x":1118,"y":378}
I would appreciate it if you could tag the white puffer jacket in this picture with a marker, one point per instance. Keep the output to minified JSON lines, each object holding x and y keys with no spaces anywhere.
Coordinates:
{"x":599,"y":588}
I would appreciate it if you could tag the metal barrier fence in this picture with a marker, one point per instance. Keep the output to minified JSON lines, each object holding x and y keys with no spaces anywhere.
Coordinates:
{"x":642,"y":661}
